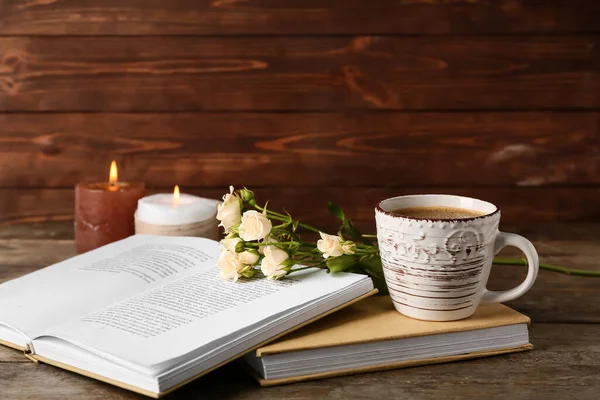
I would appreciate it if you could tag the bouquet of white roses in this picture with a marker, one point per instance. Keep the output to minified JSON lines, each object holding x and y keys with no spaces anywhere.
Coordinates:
{"x":258,"y":239}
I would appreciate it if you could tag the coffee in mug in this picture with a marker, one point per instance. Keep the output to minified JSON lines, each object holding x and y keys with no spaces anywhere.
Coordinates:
{"x":439,"y":212}
{"x":437,"y":253}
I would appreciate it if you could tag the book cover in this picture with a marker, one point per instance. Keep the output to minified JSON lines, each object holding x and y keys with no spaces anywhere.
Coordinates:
{"x":376,"y":319}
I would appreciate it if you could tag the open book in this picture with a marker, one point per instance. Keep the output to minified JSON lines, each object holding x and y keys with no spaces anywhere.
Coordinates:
{"x":150,"y":313}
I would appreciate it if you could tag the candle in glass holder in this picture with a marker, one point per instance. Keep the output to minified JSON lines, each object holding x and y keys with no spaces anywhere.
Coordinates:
{"x":177,"y":214}
{"x":104,"y":211}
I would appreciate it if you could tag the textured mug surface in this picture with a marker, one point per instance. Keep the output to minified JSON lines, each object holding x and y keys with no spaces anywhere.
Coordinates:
{"x":437,"y":269}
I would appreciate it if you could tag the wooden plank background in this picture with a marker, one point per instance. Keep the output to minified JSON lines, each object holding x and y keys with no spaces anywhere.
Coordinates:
{"x":305,"y":100}
{"x":297,"y":17}
{"x":325,"y":73}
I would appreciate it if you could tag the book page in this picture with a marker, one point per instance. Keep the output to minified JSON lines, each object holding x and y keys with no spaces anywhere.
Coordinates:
{"x":192,"y":312}
{"x":94,"y":280}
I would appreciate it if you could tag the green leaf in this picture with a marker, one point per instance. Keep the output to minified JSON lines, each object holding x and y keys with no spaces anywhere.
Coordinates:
{"x":341,"y":263}
{"x":336,"y":210}
{"x":371,"y":265}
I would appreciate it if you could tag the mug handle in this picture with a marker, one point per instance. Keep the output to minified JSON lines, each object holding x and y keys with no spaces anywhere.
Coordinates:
{"x":510,"y":239}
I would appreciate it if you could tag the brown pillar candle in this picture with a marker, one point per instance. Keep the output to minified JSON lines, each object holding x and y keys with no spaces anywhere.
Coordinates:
{"x":104,"y":211}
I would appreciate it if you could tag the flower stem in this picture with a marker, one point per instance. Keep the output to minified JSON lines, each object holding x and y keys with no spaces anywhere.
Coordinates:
{"x":285,"y":218}
{"x":549,"y":267}
{"x":253,"y":204}
{"x":277,"y":218}
{"x":365,"y":235}
{"x":305,"y":253}
{"x":362,"y":251}
{"x":250,"y":244}
{"x":308,"y":227}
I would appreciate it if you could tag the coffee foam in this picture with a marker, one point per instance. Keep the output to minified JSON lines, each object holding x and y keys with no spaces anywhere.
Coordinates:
{"x":438,"y":212}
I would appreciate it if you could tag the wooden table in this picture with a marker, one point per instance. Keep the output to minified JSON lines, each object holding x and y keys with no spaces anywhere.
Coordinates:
{"x":565,"y":332}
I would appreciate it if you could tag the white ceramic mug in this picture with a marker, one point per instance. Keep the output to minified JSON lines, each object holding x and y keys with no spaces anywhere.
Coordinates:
{"x":437,"y":269}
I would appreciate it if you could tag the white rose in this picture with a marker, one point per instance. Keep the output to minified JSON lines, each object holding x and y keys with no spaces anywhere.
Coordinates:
{"x":231,"y":243}
{"x":271,"y":265}
{"x":248,"y":258}
{"x":230,"y":266}
{"x":329,"y":245}
{"x":255,"y":226}
{"x":229,"y":212}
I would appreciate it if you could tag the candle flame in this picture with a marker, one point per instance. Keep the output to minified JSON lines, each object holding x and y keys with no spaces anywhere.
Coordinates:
{"x":113,"y":175}
{"x":176,"y":193}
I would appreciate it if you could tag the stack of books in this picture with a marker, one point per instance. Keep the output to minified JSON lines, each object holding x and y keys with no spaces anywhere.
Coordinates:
{"x":151,"y":314}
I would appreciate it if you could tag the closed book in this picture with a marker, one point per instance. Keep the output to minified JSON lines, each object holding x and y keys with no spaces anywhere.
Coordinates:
{"x":372,"y":336}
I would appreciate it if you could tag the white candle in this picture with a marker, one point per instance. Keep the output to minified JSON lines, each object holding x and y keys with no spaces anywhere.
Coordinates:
{"x":175,"y":209}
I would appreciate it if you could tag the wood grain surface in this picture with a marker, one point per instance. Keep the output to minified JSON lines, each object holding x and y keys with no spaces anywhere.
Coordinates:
{"x":376,"y":97}
{"x":298,"y":73}
{"x":351,"y":148}
{"x":309,"y":204}
{"x":307,"y":101}
{"x":315,"y":17}
{"x":565,"y":361}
